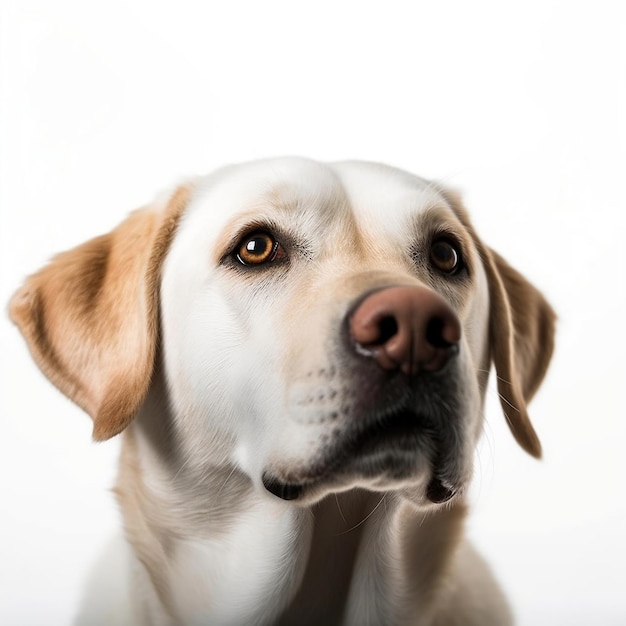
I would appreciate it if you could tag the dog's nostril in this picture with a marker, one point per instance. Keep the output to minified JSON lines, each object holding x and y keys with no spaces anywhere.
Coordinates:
{"x":435,"y":332}
{"x":387,"y":328}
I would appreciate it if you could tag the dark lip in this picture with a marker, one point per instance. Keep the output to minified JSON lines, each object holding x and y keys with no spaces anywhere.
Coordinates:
{"x":439,"y":493}
{"x":386,"y":444}
{"x":285,"y":491}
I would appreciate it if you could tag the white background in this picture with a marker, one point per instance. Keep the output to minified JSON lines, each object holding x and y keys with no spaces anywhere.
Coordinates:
{"x":520,"y":105}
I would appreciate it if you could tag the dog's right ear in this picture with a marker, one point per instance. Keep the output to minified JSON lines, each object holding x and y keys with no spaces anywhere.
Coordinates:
{"x":91,"y":317}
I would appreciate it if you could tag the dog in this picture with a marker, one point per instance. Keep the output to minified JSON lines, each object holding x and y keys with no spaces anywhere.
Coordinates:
{"x":296,"y":355}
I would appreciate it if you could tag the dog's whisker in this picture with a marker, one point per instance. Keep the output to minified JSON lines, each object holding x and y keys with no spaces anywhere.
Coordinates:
{"x":232,"y":471}
{"x":487,"y":432}
{"x":365,"y":518}
{"x":504,"y":380}
{"x":340,"y":511}
{"x":181,"y":469}
{"x":387,"y":513}
{"x":509,"y":403}
{"x":422,"y":520}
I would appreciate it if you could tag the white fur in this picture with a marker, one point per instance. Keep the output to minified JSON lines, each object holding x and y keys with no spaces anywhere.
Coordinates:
{"x":243,"y":389}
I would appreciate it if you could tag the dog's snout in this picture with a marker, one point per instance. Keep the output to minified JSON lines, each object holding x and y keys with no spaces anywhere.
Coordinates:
{"x":405,"y":328}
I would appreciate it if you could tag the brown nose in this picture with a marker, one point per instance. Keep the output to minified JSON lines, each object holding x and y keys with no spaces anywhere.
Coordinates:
{"x":406,"y":328}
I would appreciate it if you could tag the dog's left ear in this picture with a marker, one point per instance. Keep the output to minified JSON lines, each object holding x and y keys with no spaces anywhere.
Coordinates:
{"x":91,"y":317}
{"x":521,"y":328}
{"x":521,"y":334}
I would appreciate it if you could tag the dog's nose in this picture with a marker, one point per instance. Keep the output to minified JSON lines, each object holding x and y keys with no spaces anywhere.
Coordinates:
{"x":405,"y":328}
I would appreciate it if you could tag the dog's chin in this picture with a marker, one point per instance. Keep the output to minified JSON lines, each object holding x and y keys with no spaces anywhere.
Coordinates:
{"x":392,"y":453}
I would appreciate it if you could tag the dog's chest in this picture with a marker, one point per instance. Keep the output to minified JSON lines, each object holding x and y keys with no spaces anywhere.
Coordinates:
{"x":244,"y":575}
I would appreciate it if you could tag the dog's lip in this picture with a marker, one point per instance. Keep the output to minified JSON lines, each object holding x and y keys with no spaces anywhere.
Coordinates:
{"x":394,"y":433}
{"x":282,"y":490}
{"x":437,"y":492}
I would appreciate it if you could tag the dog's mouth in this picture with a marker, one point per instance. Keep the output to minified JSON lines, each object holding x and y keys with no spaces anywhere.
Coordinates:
{"x":391,"y":446}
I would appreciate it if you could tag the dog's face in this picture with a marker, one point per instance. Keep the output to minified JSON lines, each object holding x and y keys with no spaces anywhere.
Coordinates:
{"x":322,"y":327}
{"x":270,"y":267}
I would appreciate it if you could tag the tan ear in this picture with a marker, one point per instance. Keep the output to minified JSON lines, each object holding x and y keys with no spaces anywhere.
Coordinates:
{"x":521,"y":329}
{"x":90,"y":317}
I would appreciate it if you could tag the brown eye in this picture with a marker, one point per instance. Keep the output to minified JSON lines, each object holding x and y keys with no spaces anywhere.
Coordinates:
{"x":445,"y":256}
{"x":258,"y":248}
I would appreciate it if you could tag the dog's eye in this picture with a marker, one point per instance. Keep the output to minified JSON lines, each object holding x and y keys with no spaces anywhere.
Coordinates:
{"x":445,"y":256}
{"x":257,"y":248}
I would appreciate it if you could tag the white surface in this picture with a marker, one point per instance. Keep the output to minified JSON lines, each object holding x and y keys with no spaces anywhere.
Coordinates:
{"x":522,"y":107}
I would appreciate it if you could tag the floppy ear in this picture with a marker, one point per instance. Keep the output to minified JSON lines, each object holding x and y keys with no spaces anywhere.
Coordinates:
{"x":90,"y":317}
{"x":521,"y":329}
{"x":521,"y":334}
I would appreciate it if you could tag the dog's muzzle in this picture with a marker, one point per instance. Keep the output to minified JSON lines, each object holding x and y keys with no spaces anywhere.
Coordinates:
{"x":399,"y":340}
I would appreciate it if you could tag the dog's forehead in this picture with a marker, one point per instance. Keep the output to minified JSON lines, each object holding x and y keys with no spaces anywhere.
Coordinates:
{"x":375,"y":198}
{"x":379,"y":186}
{"x":287,"y":185}
{"x":385,"y":198}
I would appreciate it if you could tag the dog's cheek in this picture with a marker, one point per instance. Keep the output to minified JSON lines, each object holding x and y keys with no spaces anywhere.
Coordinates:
{"x":472,"y":418}
{"x":477,"y":363}
{"x":475,"y":318}
{"x":263,"y":417}
{"x":197,"y":341}
{"x":236,"y":376}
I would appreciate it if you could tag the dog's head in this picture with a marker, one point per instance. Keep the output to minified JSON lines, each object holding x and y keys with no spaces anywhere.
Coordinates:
{"x":320,"y":327}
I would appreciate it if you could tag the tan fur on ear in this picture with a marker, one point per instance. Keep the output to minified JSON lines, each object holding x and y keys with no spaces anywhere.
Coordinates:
{"x":90,"y":317}
{"x":522,"y":341}
{"x":533,"y":326}
{"x":521,"y":329}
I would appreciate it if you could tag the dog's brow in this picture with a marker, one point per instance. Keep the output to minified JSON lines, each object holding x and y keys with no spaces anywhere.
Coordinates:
{"x":440,"y":218}
{"x":288,"y":209}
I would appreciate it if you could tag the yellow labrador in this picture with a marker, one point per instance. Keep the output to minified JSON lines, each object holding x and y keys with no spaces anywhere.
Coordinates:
{"x":296,"y":354}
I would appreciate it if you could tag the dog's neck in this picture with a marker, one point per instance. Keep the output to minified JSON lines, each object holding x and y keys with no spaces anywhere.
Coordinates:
{"x":213,"y":550}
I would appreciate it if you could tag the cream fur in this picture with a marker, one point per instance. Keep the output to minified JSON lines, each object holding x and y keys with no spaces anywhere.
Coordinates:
{"x":219,"y":374}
